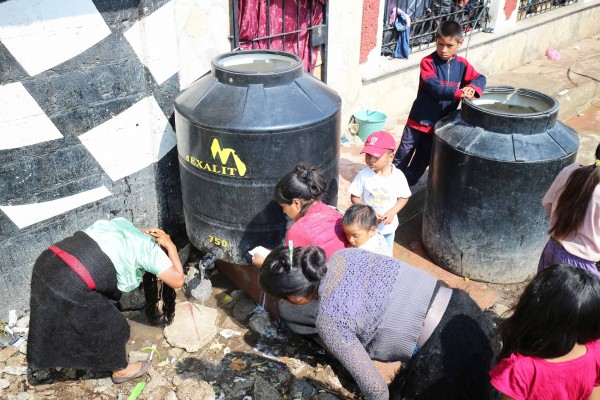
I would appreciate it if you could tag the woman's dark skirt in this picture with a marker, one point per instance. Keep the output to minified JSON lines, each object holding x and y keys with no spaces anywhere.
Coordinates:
{"x":455,"y":361}
{"x":72,"y":326}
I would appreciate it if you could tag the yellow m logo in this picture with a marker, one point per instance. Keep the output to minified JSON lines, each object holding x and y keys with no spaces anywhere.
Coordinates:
{"x":224,"y":154}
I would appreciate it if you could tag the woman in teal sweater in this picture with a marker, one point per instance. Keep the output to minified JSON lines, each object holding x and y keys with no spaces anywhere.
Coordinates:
{"x":74,"y":287}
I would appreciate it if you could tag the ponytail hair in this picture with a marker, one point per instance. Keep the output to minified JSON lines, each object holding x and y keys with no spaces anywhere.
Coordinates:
{"x":301,"y":278}
{"x":155,"y":290}
{"x":574,"y":200}
{"x":557,"y":309}
{"x":305,"y":182}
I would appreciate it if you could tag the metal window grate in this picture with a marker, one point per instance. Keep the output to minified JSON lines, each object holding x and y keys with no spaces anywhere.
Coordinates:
{"x":316,"y":34}
{"x":529,"y":8}
{"x":427,"y":15}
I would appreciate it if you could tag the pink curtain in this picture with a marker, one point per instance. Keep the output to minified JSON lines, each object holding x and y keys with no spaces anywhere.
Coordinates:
{"x":252,"y":23}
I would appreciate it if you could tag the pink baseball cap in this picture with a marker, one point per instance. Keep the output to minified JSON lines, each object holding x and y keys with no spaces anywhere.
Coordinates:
{"x":378,"y":143}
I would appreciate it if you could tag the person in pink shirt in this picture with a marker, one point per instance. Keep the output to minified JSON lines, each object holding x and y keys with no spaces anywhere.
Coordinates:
{"x":299,"y":194}
{"x":573,"y":202}
{"x":550,"y":347}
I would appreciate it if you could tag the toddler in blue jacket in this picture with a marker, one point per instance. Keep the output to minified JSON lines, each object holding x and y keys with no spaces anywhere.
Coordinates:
{"x":444,"y":81}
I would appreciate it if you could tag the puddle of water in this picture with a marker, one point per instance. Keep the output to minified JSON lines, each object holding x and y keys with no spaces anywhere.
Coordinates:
{"x":143,"y":334}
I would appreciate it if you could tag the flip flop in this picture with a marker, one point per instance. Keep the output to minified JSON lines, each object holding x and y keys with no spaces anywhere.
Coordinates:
{"x":143,"y":369}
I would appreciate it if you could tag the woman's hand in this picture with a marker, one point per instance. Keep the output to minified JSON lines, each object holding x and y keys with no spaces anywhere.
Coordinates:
{"x":258,"y":260}
{"x":173,"y":276}
{"x":388,"y":370}
{"x":160,"y":236}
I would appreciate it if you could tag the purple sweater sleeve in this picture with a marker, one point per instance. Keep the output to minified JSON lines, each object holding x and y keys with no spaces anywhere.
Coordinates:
{"x":337,"y":334}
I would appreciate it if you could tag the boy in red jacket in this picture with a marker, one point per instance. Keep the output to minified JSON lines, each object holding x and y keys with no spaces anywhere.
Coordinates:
{"x":445,"y":79}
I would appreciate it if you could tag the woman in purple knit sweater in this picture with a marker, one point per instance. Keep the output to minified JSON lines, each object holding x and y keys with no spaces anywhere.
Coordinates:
{"x":389,"y":323}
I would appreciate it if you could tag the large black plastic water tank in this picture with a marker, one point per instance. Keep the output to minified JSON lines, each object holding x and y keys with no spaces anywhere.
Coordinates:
{"x":491,"y":164}
{"x":241,"y":128}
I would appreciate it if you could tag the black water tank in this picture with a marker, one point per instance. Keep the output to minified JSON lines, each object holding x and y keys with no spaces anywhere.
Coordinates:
{"x":491,"y":164}
{"x":241,"y":128}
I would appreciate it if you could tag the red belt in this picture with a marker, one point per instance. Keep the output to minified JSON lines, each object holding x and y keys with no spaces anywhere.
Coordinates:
{"x":76,"y":266}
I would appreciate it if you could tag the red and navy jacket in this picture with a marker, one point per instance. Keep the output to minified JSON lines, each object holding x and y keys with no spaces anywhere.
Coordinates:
{"x":440,"y":91}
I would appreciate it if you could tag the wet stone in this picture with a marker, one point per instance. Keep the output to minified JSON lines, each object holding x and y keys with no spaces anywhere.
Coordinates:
{"x":193,"y":326}
{"x":263,"y":390}
{"x":243,"y":309}
{"x":300,"y":389}
{"x":241,"y":387}
{"x":261,"y":323}
{"x":198,"y":288}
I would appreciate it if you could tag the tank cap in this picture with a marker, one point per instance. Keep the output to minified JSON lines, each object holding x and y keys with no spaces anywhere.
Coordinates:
{"x":266,"y":67}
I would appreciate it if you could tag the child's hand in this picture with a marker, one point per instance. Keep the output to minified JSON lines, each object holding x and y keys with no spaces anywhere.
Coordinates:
{"x":388,"y":217}
{"x":468,"y":92}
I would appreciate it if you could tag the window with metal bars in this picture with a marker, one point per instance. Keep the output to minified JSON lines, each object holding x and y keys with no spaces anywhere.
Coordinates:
{"x":295,"y":26}
{"x":529,"y":8}
{"x":424,"y":17}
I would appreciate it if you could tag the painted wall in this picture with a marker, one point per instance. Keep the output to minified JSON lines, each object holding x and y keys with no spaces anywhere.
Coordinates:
{"x":86,"y":128}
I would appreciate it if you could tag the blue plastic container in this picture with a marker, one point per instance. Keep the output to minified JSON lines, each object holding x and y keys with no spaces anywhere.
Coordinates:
{"x":369,"y":121}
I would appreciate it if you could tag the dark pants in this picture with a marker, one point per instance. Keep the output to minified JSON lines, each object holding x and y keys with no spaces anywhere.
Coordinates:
{"x":414,"y":152}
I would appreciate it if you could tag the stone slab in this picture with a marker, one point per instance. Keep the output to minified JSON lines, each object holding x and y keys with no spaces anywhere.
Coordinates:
{"x":193,"y":327}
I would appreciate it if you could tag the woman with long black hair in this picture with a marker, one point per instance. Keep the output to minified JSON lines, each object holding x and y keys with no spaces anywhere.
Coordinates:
{"x":573,"y":202}
{"x":74,"y":287}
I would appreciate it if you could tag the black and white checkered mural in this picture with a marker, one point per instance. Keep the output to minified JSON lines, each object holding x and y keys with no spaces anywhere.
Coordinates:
{"x":86,"y":96}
